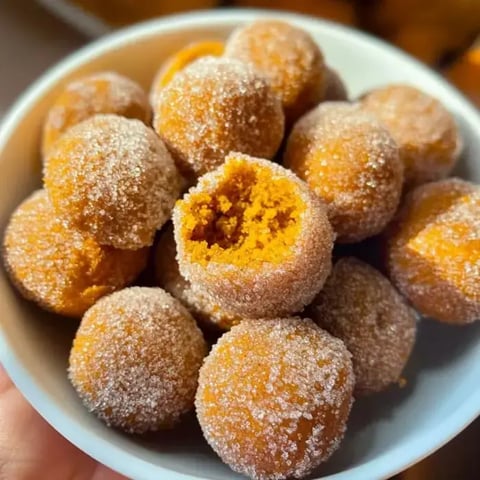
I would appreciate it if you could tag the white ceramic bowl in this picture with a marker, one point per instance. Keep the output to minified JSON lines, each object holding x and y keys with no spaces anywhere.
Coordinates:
{"x":387,"y":432}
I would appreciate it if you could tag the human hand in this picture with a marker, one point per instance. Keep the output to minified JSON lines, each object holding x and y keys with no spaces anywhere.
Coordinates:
{"x":30,"y":449}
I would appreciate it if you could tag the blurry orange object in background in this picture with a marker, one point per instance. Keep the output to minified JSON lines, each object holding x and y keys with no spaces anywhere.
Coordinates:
{"x":342,"y":11}
{"x":465,"y":74}
{"x":428,"y":29}
{"x":426,"y":42}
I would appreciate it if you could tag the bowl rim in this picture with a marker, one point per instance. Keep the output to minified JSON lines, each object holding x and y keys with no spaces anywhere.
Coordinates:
{"x":383,"y":466}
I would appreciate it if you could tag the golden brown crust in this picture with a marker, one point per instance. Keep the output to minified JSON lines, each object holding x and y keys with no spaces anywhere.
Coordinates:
{"x":103,"y":92}
{"x":288,"y":56}
{"x":168,"y":276}
{"x":180,"y":60}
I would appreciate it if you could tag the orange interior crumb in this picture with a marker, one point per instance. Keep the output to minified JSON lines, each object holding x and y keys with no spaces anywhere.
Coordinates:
{"x":247,"y":220}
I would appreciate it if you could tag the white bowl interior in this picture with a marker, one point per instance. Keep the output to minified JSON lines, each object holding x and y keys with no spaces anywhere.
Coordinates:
{"x":387,"y":432}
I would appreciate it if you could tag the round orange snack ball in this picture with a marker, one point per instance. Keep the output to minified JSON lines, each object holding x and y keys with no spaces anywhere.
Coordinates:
{"x":135,"y":360}
{"x":274,"y":397}
{"x":351,"y":162}
{"x":62,"y":270}
{"x":113,"y":178}
{"x":253,"y":238}
{"x":288,"y":56}
{"x":425,"y":132}
{"x":105,"y":92}
{"x":361,"y":307}
{"x":465,"y":74}
{"x":181,"y":59}
{"x":215,"y":106}
{"x":434,"y":250}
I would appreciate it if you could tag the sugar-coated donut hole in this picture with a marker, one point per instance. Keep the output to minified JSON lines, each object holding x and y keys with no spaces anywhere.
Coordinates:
{"x":288,"y":56}
{"x":254,"y":244}
{"x":103,"y":92}
{"x":274,"y":397}
{"x":352,"y":163}
{"x":433,"y":250}
{"x":59,"y":268}
{"x":214,"y":106}
{"x":426,"y":133}
{"x":361,"y":307}
{"x":254,"y":238}
{"x":135,"y":360}
{"x":113,"y":178}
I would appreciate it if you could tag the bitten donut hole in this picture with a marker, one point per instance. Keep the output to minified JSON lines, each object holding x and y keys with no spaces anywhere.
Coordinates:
{"x":247,"y":219}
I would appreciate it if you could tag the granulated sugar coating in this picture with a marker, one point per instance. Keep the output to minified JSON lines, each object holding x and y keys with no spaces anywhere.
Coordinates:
{"x":168,"y":276}
{"x":426,"y":133}
{"x":274,"y":397}
{"x":62,"y":270}
{"x":288,"y":56}
{"x":215,"y":106}
{"x":181,"y":59}
{"x":434,"y":250}
{"x":335,"y":88}
{"x":113,"y":178}
{"x":351,"y":162}
{"x":254,"y":238}
{"x":135,"y":359}
{"x":361,"y":307}
{"x":104,"y":92}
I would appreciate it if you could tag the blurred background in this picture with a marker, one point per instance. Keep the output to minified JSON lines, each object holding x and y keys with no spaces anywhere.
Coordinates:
{"x":441,"y":33}
{"x":445,"y":34}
